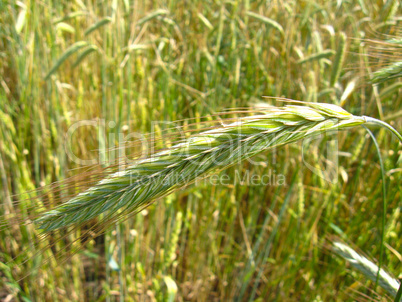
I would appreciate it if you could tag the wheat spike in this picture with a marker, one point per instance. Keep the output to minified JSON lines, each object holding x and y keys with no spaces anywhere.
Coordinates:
{"x":390,"y":72}
{"x":367,"y":268}
{"x":340,"y":56}
{"x":140,"y":184}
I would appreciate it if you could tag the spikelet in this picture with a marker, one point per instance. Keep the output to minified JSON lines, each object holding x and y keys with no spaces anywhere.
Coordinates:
{"x":390,"y":72}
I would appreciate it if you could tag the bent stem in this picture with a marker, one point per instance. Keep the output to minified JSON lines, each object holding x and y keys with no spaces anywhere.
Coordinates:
{"x":371,"y":120}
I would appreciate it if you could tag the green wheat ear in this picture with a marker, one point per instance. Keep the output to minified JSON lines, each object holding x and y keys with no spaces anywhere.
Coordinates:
{"x":392,"y":71}
{"x":367,"y":268}
{"x":129,"y":191}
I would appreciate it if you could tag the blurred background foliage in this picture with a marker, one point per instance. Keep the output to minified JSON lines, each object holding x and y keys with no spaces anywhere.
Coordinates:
{"x":136,"y":62}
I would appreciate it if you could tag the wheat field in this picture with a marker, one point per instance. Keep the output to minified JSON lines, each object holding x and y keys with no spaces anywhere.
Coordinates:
{"x":95,"y":94}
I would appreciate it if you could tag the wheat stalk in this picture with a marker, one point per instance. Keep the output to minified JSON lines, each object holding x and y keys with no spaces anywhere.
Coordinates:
{"x":140,"y":184}
{"x":366,"y":267}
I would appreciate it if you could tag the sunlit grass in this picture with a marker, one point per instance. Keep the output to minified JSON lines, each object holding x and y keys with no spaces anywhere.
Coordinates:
{"x":136,"y":63}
